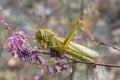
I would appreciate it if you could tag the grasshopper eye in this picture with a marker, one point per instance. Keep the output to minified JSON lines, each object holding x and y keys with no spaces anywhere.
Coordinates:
{"x":40,"y":37}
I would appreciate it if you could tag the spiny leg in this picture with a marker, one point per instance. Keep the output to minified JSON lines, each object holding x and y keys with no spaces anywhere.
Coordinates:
{"x":79,"y":22}
{"x":88,"y":32}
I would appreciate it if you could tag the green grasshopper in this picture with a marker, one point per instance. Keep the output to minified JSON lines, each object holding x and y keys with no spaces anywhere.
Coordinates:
{"x":56,"y":43}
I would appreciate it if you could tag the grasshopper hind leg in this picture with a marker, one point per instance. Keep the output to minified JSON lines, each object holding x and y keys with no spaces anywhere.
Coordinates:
{"x":69,"y":38}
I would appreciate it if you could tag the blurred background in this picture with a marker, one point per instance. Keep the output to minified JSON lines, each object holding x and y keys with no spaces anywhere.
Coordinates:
{"x":101,"y":16}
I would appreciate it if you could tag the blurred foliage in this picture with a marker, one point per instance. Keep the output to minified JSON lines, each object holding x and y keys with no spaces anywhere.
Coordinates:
{"x":59,"y":16}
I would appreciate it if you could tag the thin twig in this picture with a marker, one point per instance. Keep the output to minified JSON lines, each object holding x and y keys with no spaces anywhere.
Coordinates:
{"x":93,"y":63}
{"x":102,"y":43}
{"x":81,"y":9}
{"x":85,"y":62}
{"x":99,"y":64}
{"x":1,"y":49}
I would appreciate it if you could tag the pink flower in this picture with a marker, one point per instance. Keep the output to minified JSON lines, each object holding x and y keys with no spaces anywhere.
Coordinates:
{"x":20,"y":48}
{"x":14,"y":54}
{"x":1,"y":20}
{"x":54,"y":1}
{"x":96,"y":1}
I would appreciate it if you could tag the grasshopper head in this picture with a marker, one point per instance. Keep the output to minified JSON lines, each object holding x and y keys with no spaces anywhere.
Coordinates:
{"x":39,"y":35}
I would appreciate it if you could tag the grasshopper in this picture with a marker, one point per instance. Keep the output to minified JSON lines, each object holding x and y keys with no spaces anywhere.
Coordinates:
{"x":47,"y":38}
